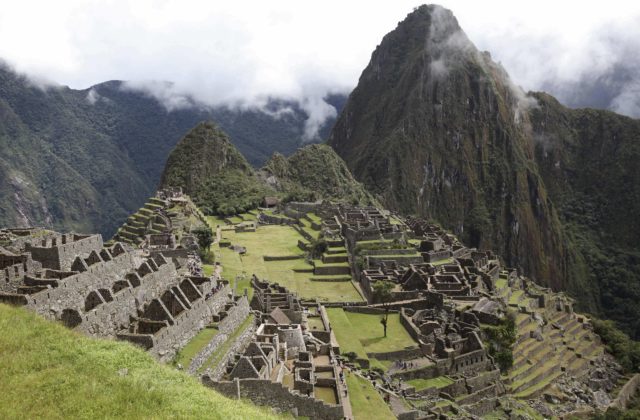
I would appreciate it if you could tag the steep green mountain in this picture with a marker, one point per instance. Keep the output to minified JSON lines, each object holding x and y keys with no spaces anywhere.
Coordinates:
{"x":314,"y":172}
{"x":589,"y":161}
{"x":436,"y":128}
{"x":208,"y":167}
{"x":85,"y":159}
{"x":59,"y":167}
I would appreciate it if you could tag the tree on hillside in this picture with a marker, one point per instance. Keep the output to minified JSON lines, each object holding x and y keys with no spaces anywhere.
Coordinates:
{"x":204,"y":235}
{"x":382,"y":294}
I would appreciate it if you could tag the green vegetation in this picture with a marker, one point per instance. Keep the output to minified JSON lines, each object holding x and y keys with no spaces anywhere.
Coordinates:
{"x":87,"y":166}
{"x":631,"y":413}
{"x":219,"y":353}
{"x":501,"y":340}
{"x":279,"y":241}
{"x":212,"y":171}
{"x":195,"y":345}
{"x":625,"y":350}
{"x":366,"y":403}
{"x":50,"y":372}
{"x":316,"y":172}
{"x":361,"y":333}
{"x":576,"y":198}
{"x":382,"y":294}
{"x":439,"y":382}
{"x":204,"y":235}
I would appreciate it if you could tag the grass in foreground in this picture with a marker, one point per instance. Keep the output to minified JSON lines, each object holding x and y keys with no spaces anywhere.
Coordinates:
{"x":366,"y":403}
{"x":48,"y":371}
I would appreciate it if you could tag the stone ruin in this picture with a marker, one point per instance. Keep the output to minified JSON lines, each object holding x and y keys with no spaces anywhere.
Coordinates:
{"x":446,"y":294}
{"x":285,"y":364}
{"x":155,"y":297}
{"x":146,"y":286}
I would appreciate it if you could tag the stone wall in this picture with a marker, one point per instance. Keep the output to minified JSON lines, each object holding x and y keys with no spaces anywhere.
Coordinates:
{"x":407,"y":251}
{"x":330,"y":270}
{"x":405,"y":354}
{"x":427,"y":372}
{"x":238,"y":346}
{"x":304,"y":233}
{"x":369,"y":310}
{"x":235,"y":317}
{"x":294,"y":214}
{"x":273,"y":394}
{"x":482,"y":407}
{"x":173,"y":337}
{"x":71,"y":292}
{"x":408,"y":324}
{"x":304,"y":207}
{"x":401,"y":260}
{"x":171,"y":253}
{"x":282,"y":257}
{"x":275,"y":220}
{"x":59,"y":253}
{"x":626,"y":393}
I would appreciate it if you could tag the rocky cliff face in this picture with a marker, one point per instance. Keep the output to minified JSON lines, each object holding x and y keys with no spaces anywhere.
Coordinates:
{"x":436,"y":128}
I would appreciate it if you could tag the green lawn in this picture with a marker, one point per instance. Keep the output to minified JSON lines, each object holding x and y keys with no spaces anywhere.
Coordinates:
{"x":439,"y":382}
{"x":249,"y":216}
{"x":50,"y":372}
{"x":370,"y":333}
{"x":278,"y":241}
{"x":363,"y":333}
{"x":443,"y":262}
{"x":501,"y":283}
{"x":314,"y":217}
{"x":207,"y":270}
{"x":282,"y":273}
{"x":343,"y":331}
{"x":313,"y":233}
{"x":515,"y":297}
{"x":195,"y":345}
{"x":366,"y":403}
{"x":319,"y":263}
{"x":215,"y":220}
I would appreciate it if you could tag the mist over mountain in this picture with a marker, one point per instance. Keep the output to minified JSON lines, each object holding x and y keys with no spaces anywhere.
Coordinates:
{"x":437,"y":128}
{"x":617,"y":89}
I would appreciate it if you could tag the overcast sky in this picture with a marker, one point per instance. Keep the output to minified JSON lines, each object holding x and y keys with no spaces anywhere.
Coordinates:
{"x":237,"y":52}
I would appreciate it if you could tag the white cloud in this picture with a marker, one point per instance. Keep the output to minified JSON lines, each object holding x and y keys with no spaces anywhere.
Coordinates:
{"x":239,"y":53}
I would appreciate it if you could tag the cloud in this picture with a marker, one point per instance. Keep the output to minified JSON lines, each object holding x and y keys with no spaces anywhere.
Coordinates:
{"x":239,"y":54}
{"x":319,"y":111}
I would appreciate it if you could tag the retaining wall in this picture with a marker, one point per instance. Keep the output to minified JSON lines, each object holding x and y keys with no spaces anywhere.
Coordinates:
{"x":235,"y":317}
{"x":273,"y":394}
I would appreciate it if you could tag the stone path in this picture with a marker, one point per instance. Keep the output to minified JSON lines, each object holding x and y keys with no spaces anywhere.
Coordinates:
{"x":346,"y":403}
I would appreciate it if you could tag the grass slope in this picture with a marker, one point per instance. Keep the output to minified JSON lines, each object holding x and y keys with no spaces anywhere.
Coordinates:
{"x":366,"y":403}
{"x":48,"y":371}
